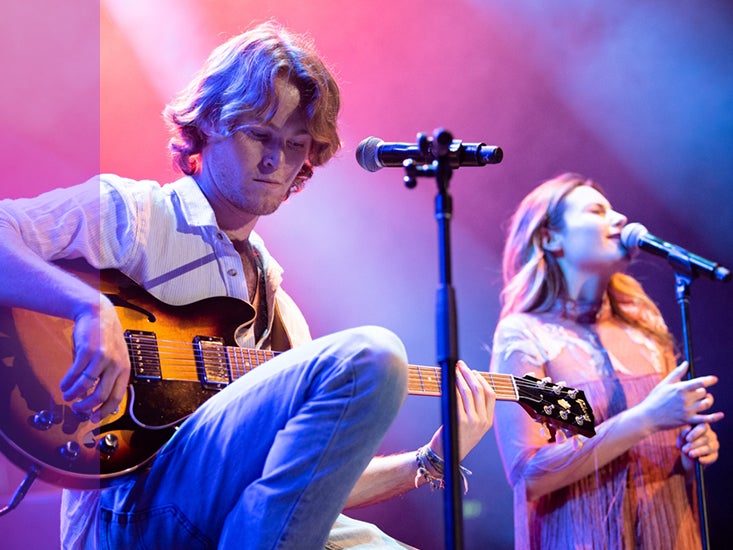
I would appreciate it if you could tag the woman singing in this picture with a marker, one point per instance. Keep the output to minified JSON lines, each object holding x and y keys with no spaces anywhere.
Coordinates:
{"x":570,"y":313}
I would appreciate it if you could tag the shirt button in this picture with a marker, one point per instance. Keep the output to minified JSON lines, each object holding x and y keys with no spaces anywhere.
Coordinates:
{"x":220,"y":236}
{"x":232,"y":272}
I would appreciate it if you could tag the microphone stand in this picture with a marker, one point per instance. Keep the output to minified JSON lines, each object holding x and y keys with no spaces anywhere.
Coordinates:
{"x":684,"y":274}
{"x":447,"y":337}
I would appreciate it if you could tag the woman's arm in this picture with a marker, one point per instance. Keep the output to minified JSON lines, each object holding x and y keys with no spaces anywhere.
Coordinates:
{"x":546,"y":467}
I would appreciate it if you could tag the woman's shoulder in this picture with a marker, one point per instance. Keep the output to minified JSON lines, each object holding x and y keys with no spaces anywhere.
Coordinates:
{"x":519,"y":321}
{"x":522,"y":332}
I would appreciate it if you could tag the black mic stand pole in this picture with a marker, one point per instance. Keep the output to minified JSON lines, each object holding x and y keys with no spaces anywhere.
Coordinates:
{"x":447,"y":336}
{"x":683,"y":275}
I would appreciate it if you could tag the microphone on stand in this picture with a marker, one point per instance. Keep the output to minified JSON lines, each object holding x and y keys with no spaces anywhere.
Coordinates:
{"x":373,"y":154}
{"x":634,"y":236}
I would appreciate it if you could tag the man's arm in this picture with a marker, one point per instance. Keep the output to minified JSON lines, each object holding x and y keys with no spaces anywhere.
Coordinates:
{"x":29,"y":282}
{"x":389,"y":476}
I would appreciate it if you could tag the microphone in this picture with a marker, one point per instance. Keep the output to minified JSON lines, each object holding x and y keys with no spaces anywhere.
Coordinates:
{"x":636,"y":236}
{"x":373,"y":154}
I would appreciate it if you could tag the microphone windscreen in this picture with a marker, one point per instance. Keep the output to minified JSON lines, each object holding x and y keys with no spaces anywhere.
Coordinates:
{"x":631,"y":234}
{"x":367,"y":154}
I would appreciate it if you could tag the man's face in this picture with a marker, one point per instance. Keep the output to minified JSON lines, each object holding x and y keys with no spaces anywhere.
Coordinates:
{"x":248,"y":174}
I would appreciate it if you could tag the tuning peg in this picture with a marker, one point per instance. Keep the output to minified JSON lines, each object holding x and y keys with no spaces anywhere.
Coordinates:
{"x":559,"y":387}
{"x":572,"y":393}
{"x":546,"y":380}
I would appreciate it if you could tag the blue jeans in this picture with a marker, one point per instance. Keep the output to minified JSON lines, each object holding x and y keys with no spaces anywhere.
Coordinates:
{"x":269,"y":461}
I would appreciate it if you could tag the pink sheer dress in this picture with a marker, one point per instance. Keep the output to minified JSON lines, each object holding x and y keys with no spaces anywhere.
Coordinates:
{"x":643,"y":498}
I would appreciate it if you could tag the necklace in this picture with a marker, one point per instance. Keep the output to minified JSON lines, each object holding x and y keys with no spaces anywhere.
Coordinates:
{"x":583,"y":312}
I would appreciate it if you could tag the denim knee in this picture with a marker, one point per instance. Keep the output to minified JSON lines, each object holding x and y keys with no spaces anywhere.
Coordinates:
{"x":385,"y":361}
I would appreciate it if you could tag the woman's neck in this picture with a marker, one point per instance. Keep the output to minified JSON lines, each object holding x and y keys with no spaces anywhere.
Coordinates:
{"x":586,"y":288}
{"x":584,"y":299}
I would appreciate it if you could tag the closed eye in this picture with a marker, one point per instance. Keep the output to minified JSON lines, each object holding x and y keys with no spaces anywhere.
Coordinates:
{"x":599,"y":209}
{"x":253,"y":132}
{"x":257,"y":134}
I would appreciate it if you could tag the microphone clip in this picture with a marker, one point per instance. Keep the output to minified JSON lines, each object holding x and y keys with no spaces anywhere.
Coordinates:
{"x":440,"y":146}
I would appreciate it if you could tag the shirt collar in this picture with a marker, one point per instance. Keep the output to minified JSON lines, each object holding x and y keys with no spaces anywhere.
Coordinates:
{"x":193,"y":202}
{"x":198,"y":212}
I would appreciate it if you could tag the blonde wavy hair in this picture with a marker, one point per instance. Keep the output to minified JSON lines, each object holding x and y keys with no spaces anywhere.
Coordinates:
{"x":238,"y":79}
{"x":533,"y":280}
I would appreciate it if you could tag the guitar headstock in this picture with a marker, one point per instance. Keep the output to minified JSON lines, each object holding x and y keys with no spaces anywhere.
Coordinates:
{"x":556,"y":405}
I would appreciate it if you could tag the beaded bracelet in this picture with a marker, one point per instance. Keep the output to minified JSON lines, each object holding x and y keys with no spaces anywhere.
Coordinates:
{"x":427,"y":460}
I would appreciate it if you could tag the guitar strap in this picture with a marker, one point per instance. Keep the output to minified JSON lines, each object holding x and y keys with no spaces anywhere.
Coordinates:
{"x":279,"y":339}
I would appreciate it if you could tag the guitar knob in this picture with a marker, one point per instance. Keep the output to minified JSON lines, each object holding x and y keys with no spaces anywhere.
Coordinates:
{"x":70,"y":451}
{"x":548,"y":409}
{"x":572,"y":393}
{"x":108,"y":444}
{"x":579,"y":420}
{"x":564,"y":415}
{"x":43,"y":419}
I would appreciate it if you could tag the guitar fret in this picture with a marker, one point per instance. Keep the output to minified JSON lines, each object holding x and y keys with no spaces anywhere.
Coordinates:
{"x":436,"y":379}
{"x":507,"y":387}
{"x":422,"y":384}
{"x":241,"y":365}
{"x":234,"y":364}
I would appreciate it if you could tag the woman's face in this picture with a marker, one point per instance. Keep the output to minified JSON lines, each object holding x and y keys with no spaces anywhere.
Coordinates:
{"x":589,"y":240}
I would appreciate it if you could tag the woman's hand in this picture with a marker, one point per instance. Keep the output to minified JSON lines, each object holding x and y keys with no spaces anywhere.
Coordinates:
{"x":674,"y":402}
{"x":698,"y":443}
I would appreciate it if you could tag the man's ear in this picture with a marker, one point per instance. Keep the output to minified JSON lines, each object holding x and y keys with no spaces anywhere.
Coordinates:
{"x":551,"y":240}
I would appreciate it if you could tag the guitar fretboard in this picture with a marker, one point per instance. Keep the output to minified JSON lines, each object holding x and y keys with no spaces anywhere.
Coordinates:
{"x":243,"y":360}
{"x":422,"y":380}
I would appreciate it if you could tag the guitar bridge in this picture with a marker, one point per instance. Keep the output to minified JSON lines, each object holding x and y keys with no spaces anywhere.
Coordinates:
{"x":212,"y":362}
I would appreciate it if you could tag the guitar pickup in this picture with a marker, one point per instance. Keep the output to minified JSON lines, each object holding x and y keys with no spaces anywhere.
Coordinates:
{"x":144,"y":356}
{"x":212,"y":362}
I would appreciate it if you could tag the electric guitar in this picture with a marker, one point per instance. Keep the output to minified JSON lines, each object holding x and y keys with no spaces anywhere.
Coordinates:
{"x":180,"y":357}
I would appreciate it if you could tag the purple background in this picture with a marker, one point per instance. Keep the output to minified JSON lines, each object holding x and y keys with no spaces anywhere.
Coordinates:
{"x":637,"y":95}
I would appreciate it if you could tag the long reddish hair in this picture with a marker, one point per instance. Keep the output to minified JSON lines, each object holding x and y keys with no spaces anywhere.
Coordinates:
{"x":533,"y":280}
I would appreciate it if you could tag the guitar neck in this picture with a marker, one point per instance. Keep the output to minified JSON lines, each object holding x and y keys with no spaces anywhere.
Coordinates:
{"x":553,"y":404}
{"x":424,"y":380}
